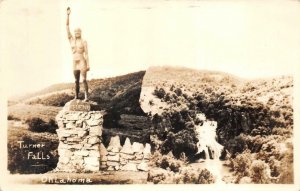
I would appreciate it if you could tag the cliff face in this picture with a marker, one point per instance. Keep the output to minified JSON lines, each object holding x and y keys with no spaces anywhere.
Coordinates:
{"x":173,"y":96}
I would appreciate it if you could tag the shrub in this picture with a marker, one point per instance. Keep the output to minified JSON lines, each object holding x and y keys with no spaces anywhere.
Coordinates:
{"x":206,"y":177}
{"x":183,"y":141}
{"x":160,"y":176}
{"x":195,"y":176}
{"x":260,"y":172}
{"x":151,"y":102}
{"x":36,"y":124}
{"x":189,"y":176}
{"x":178,"y":92}
{"x":160,"y":93}
{"x":12,"y":117}
{"x":241,"y":164}
{"x":166,"y":162}
{"x":287,"y":168}
{"x":175,"y":132}
{"x":274,"y":166}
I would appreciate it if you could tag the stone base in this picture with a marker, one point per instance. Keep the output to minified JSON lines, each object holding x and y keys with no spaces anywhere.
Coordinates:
{"x":79,"y":133}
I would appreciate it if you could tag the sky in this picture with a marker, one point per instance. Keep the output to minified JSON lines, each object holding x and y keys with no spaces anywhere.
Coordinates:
{"x":246,"y":38}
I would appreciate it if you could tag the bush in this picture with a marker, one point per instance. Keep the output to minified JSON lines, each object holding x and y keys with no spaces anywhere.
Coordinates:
{"x":206,"y":177}
{"x":160,"y":176}
{"x":166,"y":162}
{"x":188,"y":176}
{"x":195,"y":176}
{"x":287,"y":168}
{"x":175,"y":132}
{"x":11,"y":117}
{"x":160,"y":93}
{"x":183,"y":141}
{"x":241,"y":164}
{"x":178,"y":91}
{"x":36,"y":124}
{"x":260,"y":172}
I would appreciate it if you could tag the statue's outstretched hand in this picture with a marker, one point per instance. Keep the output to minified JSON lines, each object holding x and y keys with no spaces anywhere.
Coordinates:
{"x":68,"y":10}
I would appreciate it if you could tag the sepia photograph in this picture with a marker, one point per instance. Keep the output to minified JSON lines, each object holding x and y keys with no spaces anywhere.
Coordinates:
{"x":191,"y":94}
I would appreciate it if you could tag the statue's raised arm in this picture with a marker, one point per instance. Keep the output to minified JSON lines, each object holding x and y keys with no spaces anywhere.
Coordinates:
{"x":68,"y":28}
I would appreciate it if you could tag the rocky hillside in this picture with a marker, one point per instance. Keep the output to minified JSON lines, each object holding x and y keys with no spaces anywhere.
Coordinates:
{"x":253,"y":116}
{"x":238,"y":105}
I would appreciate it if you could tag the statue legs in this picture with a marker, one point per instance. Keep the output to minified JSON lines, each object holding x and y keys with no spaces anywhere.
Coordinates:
{"x":86,"y":90}
{"x":77,"y":86}
{"x":85,"y":84}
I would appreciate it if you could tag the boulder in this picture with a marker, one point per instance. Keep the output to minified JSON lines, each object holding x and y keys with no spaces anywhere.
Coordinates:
{"x":70,"y":125}
{"x":113,"y":158}
{"x":82,"y":153}
{"x":94,"y":122}
{"x":78,"y":124}
{"x":93,"y":140}
{"x":111,"y":153}
{"x":95,"y":131}
{"x":65,"y":152}
{"x":103,"y":150}
{"x":139,"y":156}
{"x":110,"y":168}
{"x":94,"y":153}
{"x":127,"y":147}
{"x":137,"y":147}
{"x":147,"y":151}
{"x":112,"y":163}
{"x":114,"y":144}
{"x":92,"y":161}
{"x":82,"y":133}
{"x":129,"y":167}
{"x":127,"y":156}
{"x":91,"y":168}
{"x":94,"y":147}
{"x":103,"y":158}
{"x":143,"y":166}
{"x":73,"y":116}
{"x":98,"y":116}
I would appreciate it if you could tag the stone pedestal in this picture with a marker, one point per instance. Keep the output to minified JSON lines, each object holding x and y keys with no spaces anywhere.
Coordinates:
{"x":79,"y":134}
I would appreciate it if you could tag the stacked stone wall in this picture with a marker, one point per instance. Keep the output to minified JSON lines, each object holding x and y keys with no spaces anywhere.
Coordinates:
{"x":79,"y":136}
{"x":80,"y":143}
{"x":129,"y":157}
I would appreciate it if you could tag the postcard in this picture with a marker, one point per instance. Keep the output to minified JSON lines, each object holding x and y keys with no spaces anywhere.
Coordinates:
{"x":166,"y":95}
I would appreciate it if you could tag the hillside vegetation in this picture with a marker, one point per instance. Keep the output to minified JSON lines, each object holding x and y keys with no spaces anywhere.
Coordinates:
{"x":255,"y":118}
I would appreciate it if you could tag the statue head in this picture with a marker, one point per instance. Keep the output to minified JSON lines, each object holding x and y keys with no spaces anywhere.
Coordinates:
{"x":77,"y":33}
